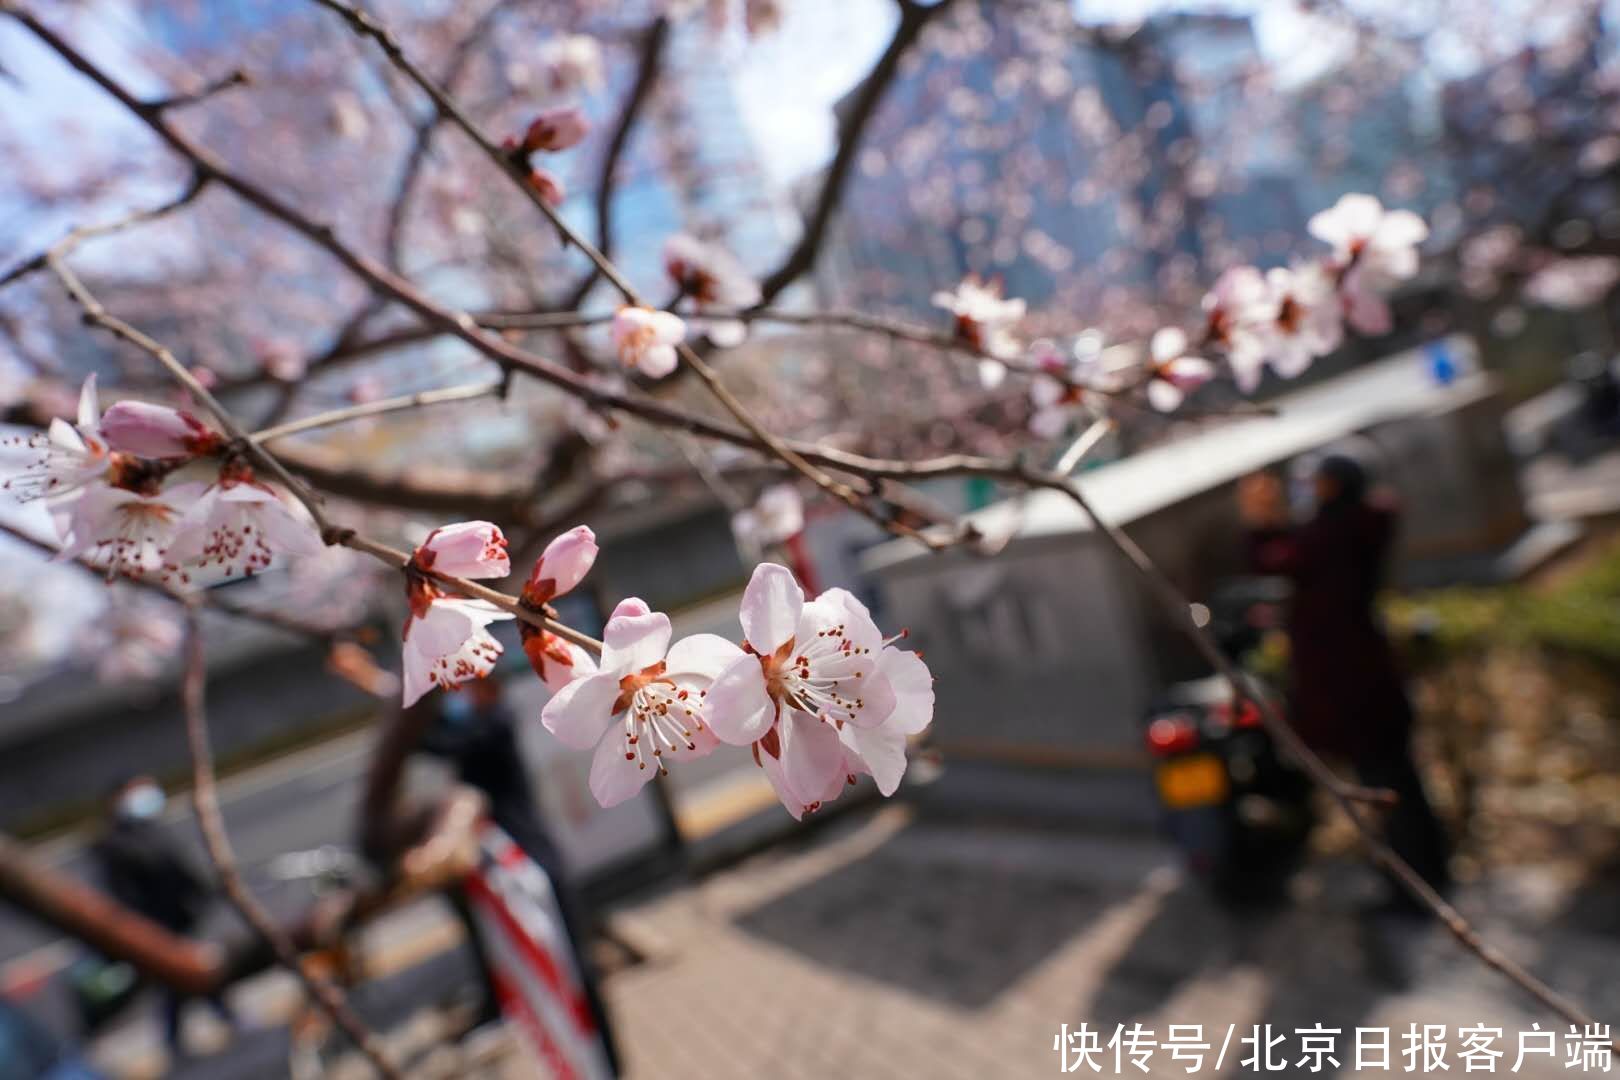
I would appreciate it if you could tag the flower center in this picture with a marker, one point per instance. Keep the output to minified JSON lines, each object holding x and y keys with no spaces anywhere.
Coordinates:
{"x":657,"y":714}
{"x":820,"y":678}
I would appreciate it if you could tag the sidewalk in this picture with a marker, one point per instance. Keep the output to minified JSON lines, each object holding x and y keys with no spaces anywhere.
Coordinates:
{"x":892,"y":946}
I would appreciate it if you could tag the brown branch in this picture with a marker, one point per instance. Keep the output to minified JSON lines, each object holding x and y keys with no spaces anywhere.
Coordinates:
{"x":366,"y":26}
{"x":326,"y":996}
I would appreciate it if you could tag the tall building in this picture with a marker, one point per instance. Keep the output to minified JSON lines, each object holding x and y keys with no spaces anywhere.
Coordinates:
{"x":1069,"y":160}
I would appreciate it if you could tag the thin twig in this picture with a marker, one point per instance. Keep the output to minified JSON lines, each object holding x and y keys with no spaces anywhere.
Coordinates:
{"x":326,"y":996}
{"x":444,"y":396}
{"x":367,"y":26}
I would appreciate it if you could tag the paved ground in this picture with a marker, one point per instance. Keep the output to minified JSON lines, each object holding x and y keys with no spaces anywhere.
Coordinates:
{"x":892,"y":946}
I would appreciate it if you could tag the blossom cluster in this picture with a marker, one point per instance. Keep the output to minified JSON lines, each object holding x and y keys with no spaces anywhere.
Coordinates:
{"x":1283,"y":318}
{"x":108,"y":481}
{"x":815,"y":691}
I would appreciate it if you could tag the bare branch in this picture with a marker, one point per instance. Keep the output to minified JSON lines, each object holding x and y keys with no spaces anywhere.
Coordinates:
{"x":326,"y":996}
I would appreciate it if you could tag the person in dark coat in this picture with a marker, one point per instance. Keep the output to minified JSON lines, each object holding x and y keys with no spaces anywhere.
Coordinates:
{"x":146,"y":870}
{"x":477,"y":733}
{"x":1347,"y":697}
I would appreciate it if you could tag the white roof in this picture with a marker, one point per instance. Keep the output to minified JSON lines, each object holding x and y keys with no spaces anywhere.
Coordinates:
{"x":1307,"y":419}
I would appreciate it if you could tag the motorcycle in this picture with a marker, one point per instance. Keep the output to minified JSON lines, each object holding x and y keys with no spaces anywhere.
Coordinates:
{"x":1238,"y":811}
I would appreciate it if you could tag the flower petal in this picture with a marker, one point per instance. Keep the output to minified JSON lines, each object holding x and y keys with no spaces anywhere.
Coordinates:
{"x":770,"y":607}
{"x":634,"y":642}
{"x":89,"y":405}
{"x":581,"y":712}
{"x":812,"y":757}
{"x":879,"y":752}
{"x":702,"y":655}
{"x":738,"y":708}
{"x":614,"y":777}
{"x":913,"y":686}
{"x":1164,"y":395}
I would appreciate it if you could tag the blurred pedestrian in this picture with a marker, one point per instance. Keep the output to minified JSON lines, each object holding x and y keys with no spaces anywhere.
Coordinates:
{"x":477,"y":732}
{"x":1347,"y":698}
{"x":147,"y":870}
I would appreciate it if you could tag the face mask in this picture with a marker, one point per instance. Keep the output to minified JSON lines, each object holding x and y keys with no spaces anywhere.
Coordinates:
{"x":143,"y":803}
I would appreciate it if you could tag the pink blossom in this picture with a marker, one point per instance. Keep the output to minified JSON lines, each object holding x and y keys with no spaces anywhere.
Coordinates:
{"x":1305,"y":318}
{"x":984,"y":323}
{"x":1174,"y":374}
{"x":445,"y":642}
{"x":556,"y":129}
{"x":571,"y":62}
{"x":646,"y":339}
{"x":713,"y":279}
{"x":812,"y":670}
{"x":63,"y":459}
{"x":1238,"y":301}
{"x":157,"y":431}
{"x":1058,"y":396}
{"x":236,"y":528}
{"x":776,"y":515}
{"x":126,"y":532}
{"x":1383,"y":242}
{"x":646,"y":704}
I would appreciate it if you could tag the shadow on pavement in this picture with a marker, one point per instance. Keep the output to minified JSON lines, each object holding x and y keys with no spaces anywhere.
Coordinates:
{"x":941,"y":930}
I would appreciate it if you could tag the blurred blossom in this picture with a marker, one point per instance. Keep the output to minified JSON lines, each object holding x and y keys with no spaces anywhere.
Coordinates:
{"x":347,"y":116}
{"x":570,"y":63}
{"x":555,"y":129}
{"x":133,"y":639}
{"x":1574,"y":283}
{"x":711,"y":277}
{"x":776,"y":516}
{"x":984,"y":322}
{"x":646,"y":339}
{"x":63,"y":459}
{"x":1174,"y":373}
{"x":236,"y":527}
{"x":1382,"y":243}
{"x":123,"y":532}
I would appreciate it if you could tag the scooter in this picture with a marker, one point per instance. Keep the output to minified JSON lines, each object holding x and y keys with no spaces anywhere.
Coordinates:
{"x":1238,"y":811}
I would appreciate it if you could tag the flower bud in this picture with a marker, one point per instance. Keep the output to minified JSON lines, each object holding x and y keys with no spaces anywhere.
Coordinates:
{"x":156,"y":431}
{"x":556,"y":129}
{"x":563,"y":564}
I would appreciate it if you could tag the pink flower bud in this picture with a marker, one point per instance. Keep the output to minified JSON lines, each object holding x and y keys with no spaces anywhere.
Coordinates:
{"x":563,"y":564}
{"x":547,"y":186}
{"x":156,"y":431}
{"x":469,"y":549}
{"x":556,"y":129}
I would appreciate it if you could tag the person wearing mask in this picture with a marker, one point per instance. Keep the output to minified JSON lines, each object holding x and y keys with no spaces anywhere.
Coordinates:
{"x":1346,"y":697}
{"x":146,"y":870}
{"x":477,"y":733}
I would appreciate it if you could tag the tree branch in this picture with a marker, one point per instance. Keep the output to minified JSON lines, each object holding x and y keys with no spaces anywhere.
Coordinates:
{"x":326,"y":996}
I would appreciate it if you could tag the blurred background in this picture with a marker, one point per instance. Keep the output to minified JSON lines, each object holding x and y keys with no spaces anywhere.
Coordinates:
{"x":1104,"y":162}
